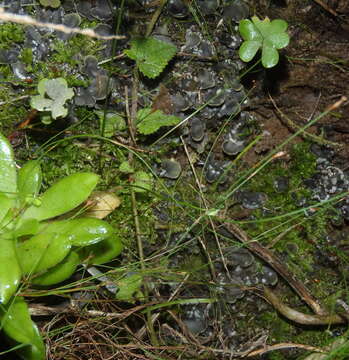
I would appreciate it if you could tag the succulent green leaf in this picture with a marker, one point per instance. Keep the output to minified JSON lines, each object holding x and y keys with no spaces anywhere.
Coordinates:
{"x":102,"y":252}
{"x":149,"y":121}
{"x":63,"y":196}
{"x":40,"y":103}
{"x":270,"y":56}
{"x":42,"y":87}
{"x":42,"y":251}
{"x":10,"y":272}
{"x":279,"y":41}
{"x":151,"y":55}
{"x":8,"y":175}
{"x":62,"y":271}
{"x":80,"y":231}
{"x":57,"y":89}
{"x":27,"y":227}
{"x":6,"y":202}
{"x":249,"y":31}
{"x":19,"y":327}
{"x":29,"y":179}
{"x":58,"y":110}
{"x":248,"y":50}
{"x":265,"y":34}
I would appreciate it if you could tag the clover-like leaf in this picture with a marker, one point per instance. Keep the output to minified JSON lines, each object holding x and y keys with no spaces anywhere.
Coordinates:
{"x":151,"y":55}
{"x":268,"y":35}
{"x":53,"y":93}
{"x":149,"y":121}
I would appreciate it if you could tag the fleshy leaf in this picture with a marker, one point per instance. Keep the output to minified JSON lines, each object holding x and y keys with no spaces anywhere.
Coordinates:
{"x":6,"y":202}
{"x":40,"y":103}
{"x":265,"y":34}
{"x":102,"y":252}
{"x":50,"y":3}
{"x":248,"y":50}
{"x":29,"y":179}
{"x":63,"y":196}
{"x":8,"y":178}
{"x":19,"y":327}
{"x":149,"y":121}
{"x":151,"y":55}
{"x":113,"y":123}
{"x":42,"y":251}
{"x":62,"y":271}
{"x":10,"y":272}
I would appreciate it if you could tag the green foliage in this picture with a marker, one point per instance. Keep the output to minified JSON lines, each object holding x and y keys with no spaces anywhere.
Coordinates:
{"x":52,"y":96}
{"x":50,"y":3}
{"x":129,"y":287}
{"x":150,"y":121}
{"x":151,"y":55}
{"x":10,"y":33}
{"x":270,"y":36}
{"x":33,"y":242}
{"x":113,"y":122}
{"x":143,"y":182}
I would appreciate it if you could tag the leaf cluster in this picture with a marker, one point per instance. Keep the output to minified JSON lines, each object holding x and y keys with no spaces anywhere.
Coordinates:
{"x":35,"y":243}
{"x":270,"y":36}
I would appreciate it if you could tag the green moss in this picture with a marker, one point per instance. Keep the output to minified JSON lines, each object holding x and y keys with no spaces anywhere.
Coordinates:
{"x":26,"y":56}
{"x":10,"y":33}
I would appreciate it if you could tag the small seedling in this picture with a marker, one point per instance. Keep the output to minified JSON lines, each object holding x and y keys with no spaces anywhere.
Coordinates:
{"x":270,"y":36}
{"x":151,"y":55}
{"x":51,"y":3}
{"x":52,"y":97}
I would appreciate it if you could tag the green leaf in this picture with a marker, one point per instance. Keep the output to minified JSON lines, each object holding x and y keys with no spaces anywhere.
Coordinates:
{"x":63,"y":196}
{"x":151,"y":55}
{"x":149,"y":121}
{"x":29,"y":179}
{"x":62,"y":271}
{"x":265,"y":34}
{"x":112,"y":123}
{"x":10,"y":272}
{"x":248,"y":50}
{"x":27,"y":227}
{"x":42,"y":251}
{"x":102,"y":252}
{"x":142,"y":181}
{"x":18,"y":326}
{"x":57,"y":89}
{"x":249,"y":31}
{"x":129,"y":286}
{"x":8,"y":178}
{"x":270,"y":56}
{"x":40,"y":103}
{"x":6,"y":202}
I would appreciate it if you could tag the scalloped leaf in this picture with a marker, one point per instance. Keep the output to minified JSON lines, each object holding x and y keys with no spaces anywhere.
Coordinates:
{"x":151,"y":55}
{"x":149,"y":121}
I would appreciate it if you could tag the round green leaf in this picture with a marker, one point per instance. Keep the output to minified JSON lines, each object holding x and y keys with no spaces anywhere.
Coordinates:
{"x":270,"y":56}
{"x":249,"y":31}
{"x":278,"y":26}
{"x":279,"y":40}
{"x":248,"y":50}
{"x":18,"y":326}
{"x":8,"y":175}
{"x":10,"y":272}
{"x":63,"y":196}
{"x":62,"y":271}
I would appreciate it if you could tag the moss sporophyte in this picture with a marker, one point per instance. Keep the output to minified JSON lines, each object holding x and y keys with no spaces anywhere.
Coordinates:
{"x":45,"y":250}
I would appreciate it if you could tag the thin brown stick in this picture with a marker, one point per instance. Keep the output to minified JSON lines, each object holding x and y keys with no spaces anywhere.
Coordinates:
{"x":301,"y":318}
{"x":326,"y":7}
{"x":277,"y":265}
